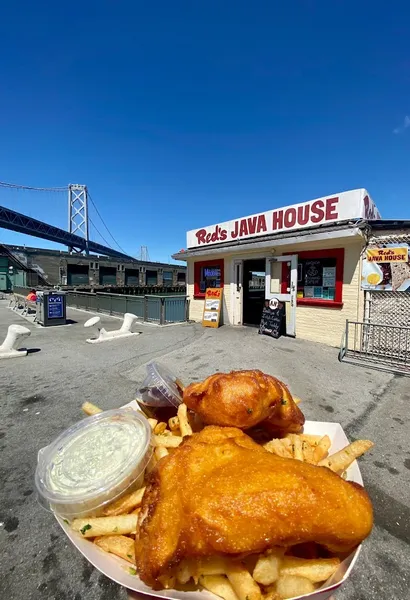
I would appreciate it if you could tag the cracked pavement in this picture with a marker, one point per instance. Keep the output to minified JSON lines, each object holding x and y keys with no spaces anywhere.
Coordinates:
{"x":41,"y":395}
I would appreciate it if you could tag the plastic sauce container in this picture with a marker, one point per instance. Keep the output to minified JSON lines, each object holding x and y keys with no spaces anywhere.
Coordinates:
{"x":160,"y":394}
{"x":93,"y":463}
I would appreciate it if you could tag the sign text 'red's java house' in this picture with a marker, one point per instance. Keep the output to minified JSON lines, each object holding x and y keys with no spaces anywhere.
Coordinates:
{"x":340,"y":207}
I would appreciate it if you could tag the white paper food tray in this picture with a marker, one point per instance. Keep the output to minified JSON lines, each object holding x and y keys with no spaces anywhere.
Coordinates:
{"x":117,"y":569}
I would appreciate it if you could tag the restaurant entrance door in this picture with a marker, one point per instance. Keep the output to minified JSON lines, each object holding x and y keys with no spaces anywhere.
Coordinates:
{"x":274,"y":287}
{"x":253,"y":290}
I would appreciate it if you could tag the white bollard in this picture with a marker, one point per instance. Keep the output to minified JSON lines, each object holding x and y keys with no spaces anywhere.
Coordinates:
{"x":15,"y":335}
{"x":105,"y":336}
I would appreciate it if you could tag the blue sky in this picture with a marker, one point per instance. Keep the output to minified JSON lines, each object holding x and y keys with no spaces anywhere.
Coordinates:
{"x":181,"y":114}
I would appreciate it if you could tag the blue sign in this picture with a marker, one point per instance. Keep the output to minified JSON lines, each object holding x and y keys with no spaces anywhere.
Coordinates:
{"x":55,"y":307}
{"x":212,"y":272}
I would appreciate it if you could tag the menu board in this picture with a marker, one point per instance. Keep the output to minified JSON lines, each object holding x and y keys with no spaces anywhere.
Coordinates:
{"x":212,"y":307}
{"x":272,"y":320}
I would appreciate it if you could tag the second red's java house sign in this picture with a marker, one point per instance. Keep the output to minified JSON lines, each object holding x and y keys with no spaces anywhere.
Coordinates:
{"x":339,"y":207}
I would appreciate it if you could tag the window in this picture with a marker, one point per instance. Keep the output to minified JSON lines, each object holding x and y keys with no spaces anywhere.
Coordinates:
{"x":320,"y":278}
{"x":152,"y":277}
{"x":208,"y":274}
{"x":167,"y":277}
{"x":181,"y":277}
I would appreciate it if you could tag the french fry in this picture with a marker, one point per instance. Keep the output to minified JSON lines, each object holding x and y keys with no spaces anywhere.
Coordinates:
{"x":160,"y":452}
{"x":125,"y":504}
{"x":173,"y":423}
{"x":341,"y":460}
{"x":120,"y":545}
{"x":276,"y":447}
{"x":321,"y":449}
{"x":296,"y":442}
{"x":307,"y":451}
{"x":136,"y":511}
{"x":91,"y":409}
{"x":289,"y":586}
{"x":267,"y":568}
{"x":153,"y":423}
{"x":97,"y":526}
{"x":184,"y":425}
{"x":213,"y":565}
{"x":306,"y":437}
{"x":160,"y":428}
{"x":242,"y":582}
{"x":167,"y":441}
{"x":185,"y":571}
{"x":218,"y":585}
{"x":316,"y":569}
{"x":297,"y":400}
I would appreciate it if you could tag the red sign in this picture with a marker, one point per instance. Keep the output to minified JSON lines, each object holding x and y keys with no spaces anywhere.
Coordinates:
{"x":347,"y":205}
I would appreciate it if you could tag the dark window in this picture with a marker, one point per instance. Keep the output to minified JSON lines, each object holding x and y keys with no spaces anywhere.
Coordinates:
{"x":167,"y":277}
{"x":182,"y":277}
{"x":152,"y":277}
{"x":320,"y":277}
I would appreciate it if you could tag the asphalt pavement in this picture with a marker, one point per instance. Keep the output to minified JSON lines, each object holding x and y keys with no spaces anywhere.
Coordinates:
{"x":41,"y":395}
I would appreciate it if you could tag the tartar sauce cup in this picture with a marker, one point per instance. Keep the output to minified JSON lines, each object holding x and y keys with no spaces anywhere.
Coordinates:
{"x":93,"y":463}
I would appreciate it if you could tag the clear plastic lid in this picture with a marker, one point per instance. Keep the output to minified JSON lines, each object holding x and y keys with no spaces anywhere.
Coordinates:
{"x":160,"y":387}
{"x":93,"y":462}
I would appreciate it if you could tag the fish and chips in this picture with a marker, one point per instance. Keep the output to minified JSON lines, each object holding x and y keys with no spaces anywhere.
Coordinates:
{"x":220,"y":511}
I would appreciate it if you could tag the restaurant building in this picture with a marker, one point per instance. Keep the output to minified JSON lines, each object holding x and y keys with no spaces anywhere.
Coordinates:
{"x":307,"y":256}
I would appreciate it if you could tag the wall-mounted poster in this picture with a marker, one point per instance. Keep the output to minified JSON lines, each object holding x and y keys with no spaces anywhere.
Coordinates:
{"x":386,"y":267}
{"x":329,"y":276}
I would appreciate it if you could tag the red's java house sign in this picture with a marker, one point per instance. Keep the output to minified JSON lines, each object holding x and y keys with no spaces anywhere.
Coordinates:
{"x":339,"y":207}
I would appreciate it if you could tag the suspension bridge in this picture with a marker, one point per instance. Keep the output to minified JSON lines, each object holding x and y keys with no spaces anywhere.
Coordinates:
{"x":77,"y":238}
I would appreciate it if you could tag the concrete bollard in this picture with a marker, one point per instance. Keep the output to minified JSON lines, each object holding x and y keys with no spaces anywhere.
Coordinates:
{"x":105,"y":336}
{"x":15,"y":335}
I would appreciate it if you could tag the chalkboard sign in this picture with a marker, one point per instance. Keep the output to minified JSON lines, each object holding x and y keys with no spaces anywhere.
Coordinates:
{"x":272,"y":320}
{"x":313,"y":273}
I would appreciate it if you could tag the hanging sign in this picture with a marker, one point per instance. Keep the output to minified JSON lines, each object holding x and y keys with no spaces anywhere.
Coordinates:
{"x":212,"y":307}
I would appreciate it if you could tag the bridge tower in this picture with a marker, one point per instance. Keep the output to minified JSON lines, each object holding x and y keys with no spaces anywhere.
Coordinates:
{"x":78,"y":211}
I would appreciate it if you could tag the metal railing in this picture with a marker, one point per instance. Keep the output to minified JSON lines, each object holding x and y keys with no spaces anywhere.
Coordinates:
{"x":385,"y":347}
{"x":155,"y":309}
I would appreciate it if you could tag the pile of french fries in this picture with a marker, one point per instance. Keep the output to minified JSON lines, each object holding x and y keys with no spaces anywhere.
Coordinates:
{"x":274,"y":575}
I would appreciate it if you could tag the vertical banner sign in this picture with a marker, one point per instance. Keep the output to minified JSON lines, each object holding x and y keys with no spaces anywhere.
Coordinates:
{"x":212,"y":307}
{"x":55,"y":307}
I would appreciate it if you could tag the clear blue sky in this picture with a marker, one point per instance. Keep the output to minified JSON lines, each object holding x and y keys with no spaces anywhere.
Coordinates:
{"x":182,"y":114}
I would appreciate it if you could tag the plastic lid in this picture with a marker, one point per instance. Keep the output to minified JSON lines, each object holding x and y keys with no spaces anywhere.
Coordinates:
{"x":93,"y":462}
{"x":159,"y":387}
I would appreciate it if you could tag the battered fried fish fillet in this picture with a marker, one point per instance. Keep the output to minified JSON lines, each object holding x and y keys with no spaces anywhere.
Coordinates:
{"x":220,"y":493}
{"x":245,"y":399}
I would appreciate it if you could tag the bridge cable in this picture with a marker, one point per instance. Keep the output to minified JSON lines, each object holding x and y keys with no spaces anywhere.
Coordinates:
{"x":36,"y":189}
{"x":103,"y":222}
{"x":99,"y":233}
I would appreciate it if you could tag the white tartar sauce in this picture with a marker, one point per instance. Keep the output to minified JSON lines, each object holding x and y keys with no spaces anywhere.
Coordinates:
{"x":94,"y":462}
